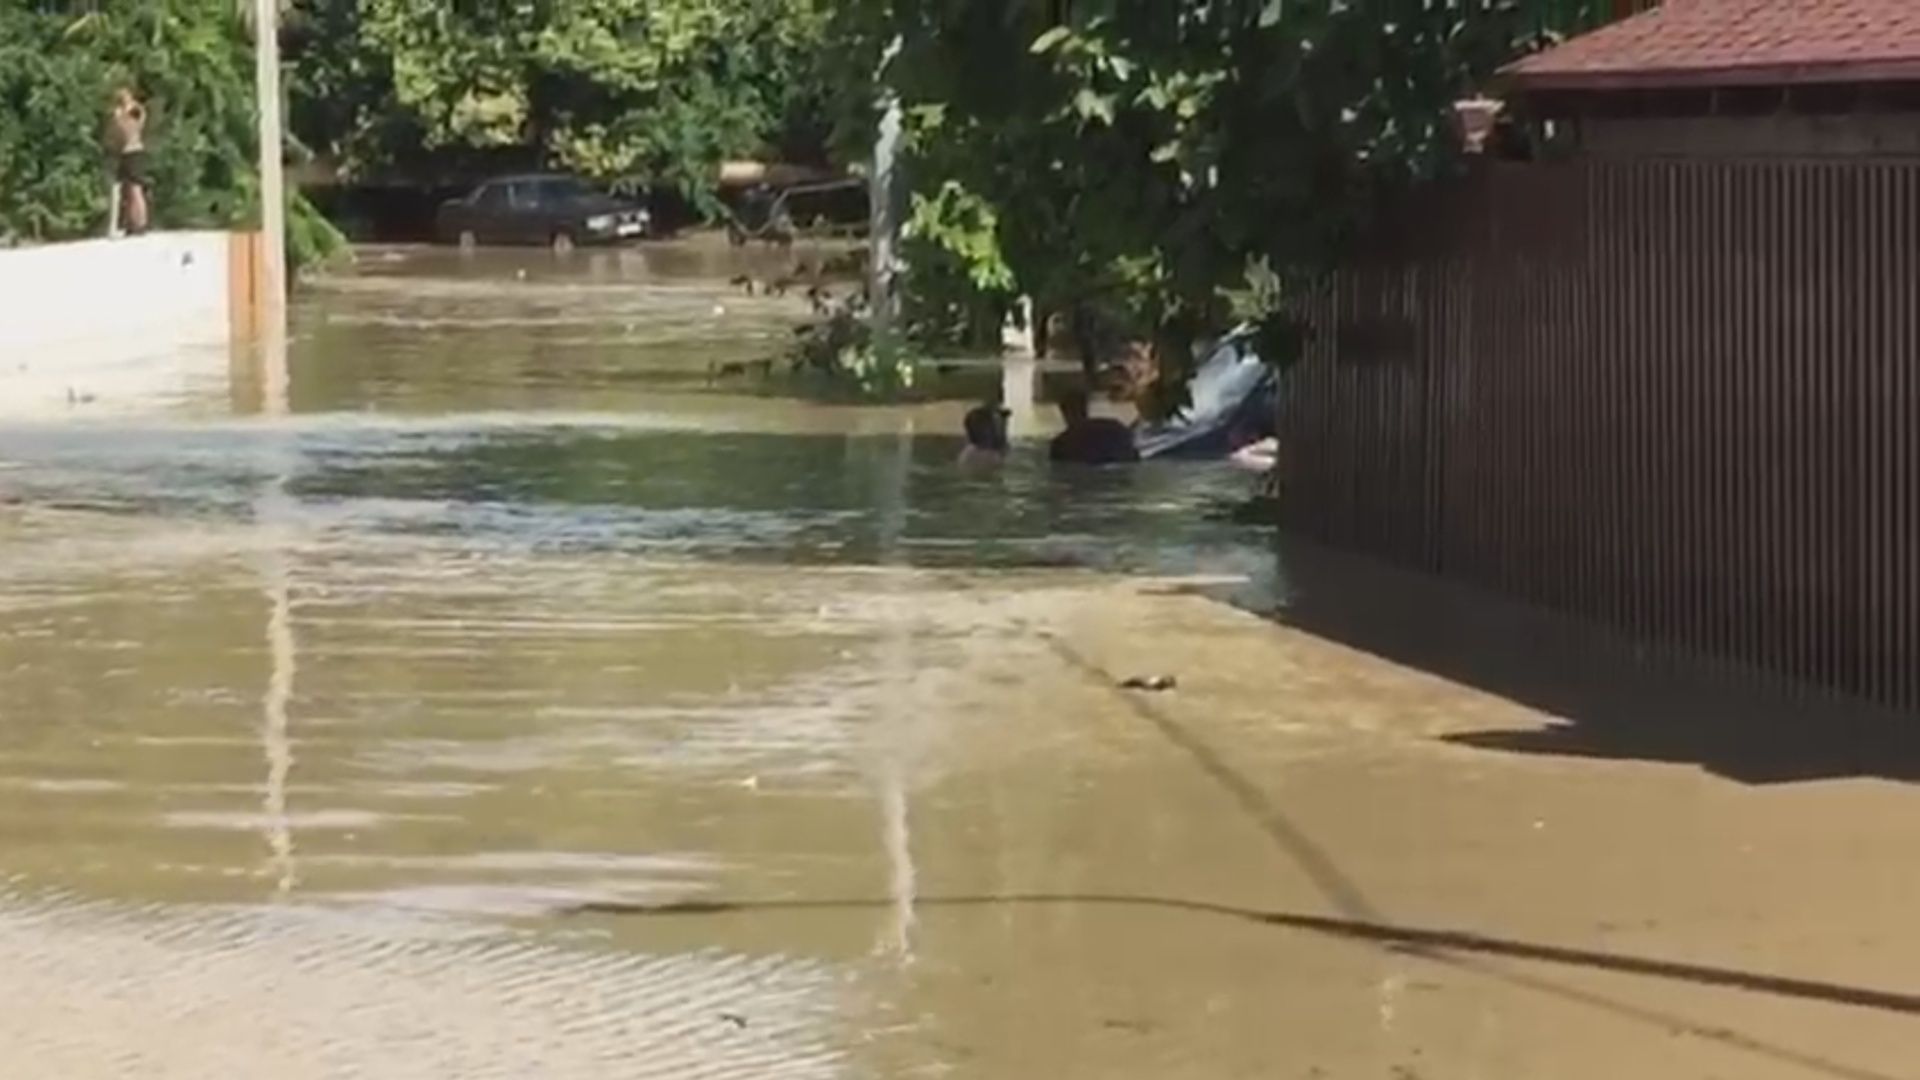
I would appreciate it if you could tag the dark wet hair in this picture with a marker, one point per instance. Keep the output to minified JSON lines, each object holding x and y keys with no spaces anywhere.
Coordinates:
{"x":985,"y":428}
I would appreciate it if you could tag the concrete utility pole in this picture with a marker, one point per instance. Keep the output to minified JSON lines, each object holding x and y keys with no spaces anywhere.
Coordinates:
{"x":273,"y":183}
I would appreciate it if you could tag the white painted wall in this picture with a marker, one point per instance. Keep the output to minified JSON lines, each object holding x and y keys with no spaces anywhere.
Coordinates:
{"x":107,"y":322}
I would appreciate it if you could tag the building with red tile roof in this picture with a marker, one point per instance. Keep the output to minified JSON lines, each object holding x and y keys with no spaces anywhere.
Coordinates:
{"x":1734,"y":43}
{"x":1734,"y":79}
{"x":1660,"y":369}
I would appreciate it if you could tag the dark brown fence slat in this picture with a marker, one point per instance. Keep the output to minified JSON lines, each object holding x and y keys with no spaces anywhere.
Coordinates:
{"x":1901,"y":476}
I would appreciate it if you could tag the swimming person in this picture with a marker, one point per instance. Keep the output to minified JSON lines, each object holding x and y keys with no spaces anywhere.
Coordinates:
{"x":1091,"y":440}
{"x":986,"y":427}
{"x":1259,"y":456}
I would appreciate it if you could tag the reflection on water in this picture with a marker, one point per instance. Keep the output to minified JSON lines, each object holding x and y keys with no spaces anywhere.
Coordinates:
{"x":273,"y":729}
{"x":898,"y":732}
{"x":315,"y":716}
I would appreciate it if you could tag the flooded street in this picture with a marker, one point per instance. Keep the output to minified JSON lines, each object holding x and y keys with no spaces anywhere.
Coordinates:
{"x":522,"y":693}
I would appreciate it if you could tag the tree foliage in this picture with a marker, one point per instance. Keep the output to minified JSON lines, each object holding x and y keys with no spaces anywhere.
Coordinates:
{"x":1137,"y":157}
{"x":655,"y":90}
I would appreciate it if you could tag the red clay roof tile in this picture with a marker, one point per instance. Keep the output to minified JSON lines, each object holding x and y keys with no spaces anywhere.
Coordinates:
{"x":1736,"y":43}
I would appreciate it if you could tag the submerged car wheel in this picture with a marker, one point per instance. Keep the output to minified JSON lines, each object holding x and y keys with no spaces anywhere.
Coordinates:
{"x":468,"y":241}
{"x":562,"y":242}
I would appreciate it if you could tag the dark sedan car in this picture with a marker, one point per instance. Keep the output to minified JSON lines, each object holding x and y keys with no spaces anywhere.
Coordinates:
{"x":540,"y":209}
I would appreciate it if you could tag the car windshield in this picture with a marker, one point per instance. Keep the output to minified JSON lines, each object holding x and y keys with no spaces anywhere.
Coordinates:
{"x":566,"y":189}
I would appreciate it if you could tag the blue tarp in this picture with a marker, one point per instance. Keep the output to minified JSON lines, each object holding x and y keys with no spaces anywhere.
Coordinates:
{"x":1232,"y":402}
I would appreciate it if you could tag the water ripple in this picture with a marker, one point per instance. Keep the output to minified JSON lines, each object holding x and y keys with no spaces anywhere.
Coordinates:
{"x":293,"y":993}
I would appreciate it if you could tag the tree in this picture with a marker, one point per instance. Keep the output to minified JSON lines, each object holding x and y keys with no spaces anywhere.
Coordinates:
{"x":1131,"y":161}
{"x":651,"y":90}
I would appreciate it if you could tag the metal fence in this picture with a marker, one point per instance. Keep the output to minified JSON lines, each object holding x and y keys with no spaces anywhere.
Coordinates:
{"x":1677,"y":397}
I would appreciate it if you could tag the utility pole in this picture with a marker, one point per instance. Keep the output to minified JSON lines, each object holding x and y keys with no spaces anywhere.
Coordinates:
{"x":272,"y":268}
{"x":883,"y":290}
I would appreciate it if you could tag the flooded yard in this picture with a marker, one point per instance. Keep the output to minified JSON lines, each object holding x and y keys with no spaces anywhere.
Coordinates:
{"x":521,"y":696}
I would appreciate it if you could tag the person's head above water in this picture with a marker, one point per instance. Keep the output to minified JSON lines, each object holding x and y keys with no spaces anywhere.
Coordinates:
{"x":1073,"y":405}
{"x":987,"y":427}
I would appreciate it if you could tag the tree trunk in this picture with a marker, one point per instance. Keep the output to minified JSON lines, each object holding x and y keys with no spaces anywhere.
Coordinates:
{"x":1086,"y":338}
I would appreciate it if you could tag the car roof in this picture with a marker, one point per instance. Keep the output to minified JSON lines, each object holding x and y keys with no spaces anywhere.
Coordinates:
{"x":521,"y":178}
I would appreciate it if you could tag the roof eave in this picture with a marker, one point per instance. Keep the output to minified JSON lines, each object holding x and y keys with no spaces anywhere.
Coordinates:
{"x":1853,"y":71}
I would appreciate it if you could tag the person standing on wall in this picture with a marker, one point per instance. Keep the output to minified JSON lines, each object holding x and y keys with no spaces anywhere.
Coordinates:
{"x":126,"y":130}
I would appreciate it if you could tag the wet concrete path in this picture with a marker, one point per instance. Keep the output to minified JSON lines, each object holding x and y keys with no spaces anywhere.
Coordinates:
{"x":523,"y":702}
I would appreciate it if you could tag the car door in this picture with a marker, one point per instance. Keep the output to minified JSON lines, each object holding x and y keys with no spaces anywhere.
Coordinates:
{"x":489,"y":218}
{"x":529,"y":218}
{"x":560,"y":204}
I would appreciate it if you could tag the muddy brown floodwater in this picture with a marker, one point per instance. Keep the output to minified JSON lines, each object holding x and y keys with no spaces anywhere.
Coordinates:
{"x":518,"y":699}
